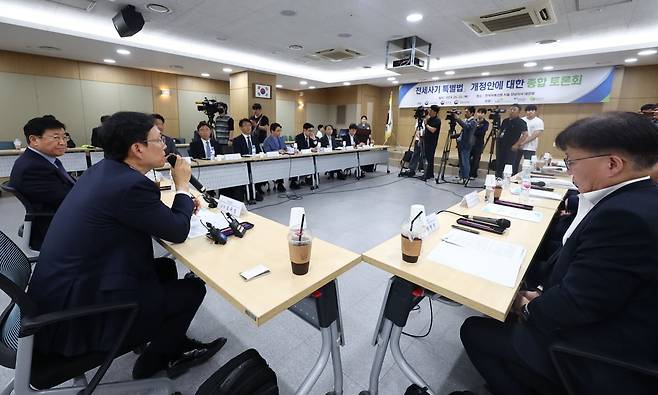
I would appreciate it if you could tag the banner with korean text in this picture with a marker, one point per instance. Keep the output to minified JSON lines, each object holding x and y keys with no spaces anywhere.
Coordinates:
{"x":567,"y":86}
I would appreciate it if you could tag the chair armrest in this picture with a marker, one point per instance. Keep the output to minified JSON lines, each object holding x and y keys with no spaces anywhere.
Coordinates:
{"x":31,"y":325}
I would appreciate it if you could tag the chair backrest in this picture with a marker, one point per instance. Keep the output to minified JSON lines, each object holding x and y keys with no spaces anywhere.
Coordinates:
{"x":7,"y":145}
{"x":6,"y":187}
{"x":179,"y":140}
{"x":15,"y":271}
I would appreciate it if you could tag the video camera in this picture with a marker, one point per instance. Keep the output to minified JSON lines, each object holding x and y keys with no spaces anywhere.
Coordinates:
{"x":210,"y":107}
{"x":420,"y":113}
{"x":450,"y":114}
{"x":495,"y":112}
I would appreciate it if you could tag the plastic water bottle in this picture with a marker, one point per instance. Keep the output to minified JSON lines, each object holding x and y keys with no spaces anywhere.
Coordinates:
{"x":507,"y":176}
{"x":253,"y":150}
{"x":212,"y":152}
{"x":525,"y":182}
{"x":17,"y":143}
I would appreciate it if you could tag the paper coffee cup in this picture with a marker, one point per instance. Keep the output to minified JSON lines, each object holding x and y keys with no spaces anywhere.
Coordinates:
{"x":300,"y":252}
{"x":410,"y":249}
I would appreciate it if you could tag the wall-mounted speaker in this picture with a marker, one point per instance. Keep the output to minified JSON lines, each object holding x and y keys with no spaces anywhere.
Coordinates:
{"x":128,"y":21}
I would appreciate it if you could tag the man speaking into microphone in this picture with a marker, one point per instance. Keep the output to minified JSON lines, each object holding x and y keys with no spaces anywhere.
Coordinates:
{"x":99,"y":250}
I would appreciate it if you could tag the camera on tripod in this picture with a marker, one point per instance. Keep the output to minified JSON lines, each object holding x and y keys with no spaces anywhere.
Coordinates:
{"x":421,"y":112}
{"x":450,"y":114}
{"x":495,"y":112}
{"x":210,"y":107}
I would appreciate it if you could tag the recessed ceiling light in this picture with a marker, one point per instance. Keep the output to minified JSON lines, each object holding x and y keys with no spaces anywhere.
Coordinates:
{"x":227,"y":69}
{"x":435,"y":78}
{"x":647,"y":52}
{"x":395,"y":82}
{"x":347,"y":83}
{"x":311,"y":87}
{"x":303,"y":82}
{"x":123,"y":52}
{"x":288,"y":13}
{"x":630,"y":60}
{"x":279,"y":86}
{"x":390,"y":79}
{"x":344,"y":35}
{"x":530,"y":64}
{"x":449,"y":72}
{"x":205,"y":75}
{"x":485,"y":73}
{"x":159,"y":8}
{"x":295,"y":47}
{"x":110,"y":61}
{"x":415,"y":17}
{"x":547,"y":68}
{"x":549,"y":41}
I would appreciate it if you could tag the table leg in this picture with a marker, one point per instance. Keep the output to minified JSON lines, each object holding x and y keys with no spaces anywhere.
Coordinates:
{"x":382,"y":345}
{"x":402,"y":362}
{"x":335,"y":359}
{"x":320,"y":363}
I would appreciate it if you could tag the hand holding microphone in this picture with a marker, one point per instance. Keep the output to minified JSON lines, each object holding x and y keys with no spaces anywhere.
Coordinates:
{"x":181,"y":172}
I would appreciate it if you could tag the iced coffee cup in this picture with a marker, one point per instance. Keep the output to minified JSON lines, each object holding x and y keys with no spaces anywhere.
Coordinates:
{"x":412,"y":233}
{"x":299,"y":246}
{"x":411,"y":248}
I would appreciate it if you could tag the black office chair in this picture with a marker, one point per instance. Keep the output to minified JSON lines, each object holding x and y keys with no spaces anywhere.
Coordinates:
{"x":25,"y":230}
{"x":21,"y":321}
{"x":7,"y":145}
{"x":564,"y":356}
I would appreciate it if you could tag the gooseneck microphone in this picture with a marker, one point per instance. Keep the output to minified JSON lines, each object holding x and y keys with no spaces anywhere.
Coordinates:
{"x":501,"y":222}
{"x":195,"y":183}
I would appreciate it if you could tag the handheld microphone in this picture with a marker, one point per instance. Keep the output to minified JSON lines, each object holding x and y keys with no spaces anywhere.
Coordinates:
{"x":236,"y":227}
{"x":500,"y":222}
{"x":195,"y":183}
{"x":539,"y":183}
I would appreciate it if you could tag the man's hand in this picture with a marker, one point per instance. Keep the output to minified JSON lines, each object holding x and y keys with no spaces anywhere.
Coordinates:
{"x":523,"y":298}
{"x":181,"y":174}
{"x":197,"y":204}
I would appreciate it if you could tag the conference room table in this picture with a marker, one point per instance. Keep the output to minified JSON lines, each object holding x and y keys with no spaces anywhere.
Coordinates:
{"x":412,"y":281}
{"x":313,"y":297}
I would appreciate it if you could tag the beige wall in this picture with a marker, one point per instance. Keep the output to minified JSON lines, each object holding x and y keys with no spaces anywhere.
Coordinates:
{"x":78,"y":93}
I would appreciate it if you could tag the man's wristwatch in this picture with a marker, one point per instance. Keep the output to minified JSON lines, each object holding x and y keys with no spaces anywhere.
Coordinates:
{"x":525,"y":313}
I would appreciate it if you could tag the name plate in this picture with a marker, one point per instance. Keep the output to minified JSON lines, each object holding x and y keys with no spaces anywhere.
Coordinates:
{"x":432,"y":223}
{"x":272,"y":154}
{"x":235,"y":207}
{"x":349,"y":148}
{"x":232,"y":157}
{"x":306,"y":151}
{"x":471,"y":200}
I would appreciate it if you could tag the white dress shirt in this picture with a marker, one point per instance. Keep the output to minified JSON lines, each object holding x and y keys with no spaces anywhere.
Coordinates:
{"x":587,"y":201}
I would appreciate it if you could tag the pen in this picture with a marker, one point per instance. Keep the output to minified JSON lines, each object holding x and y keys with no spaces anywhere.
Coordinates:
{"x":465,"y":229}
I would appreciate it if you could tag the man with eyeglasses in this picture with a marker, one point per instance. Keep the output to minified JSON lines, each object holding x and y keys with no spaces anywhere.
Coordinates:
{"x":601,"y":294}
{"x":100,"y":251}
{"x":38,"y":173}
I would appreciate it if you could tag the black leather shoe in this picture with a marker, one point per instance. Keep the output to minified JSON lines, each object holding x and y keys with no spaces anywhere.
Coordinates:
{"x":280,"y":188}
{"x":259,"y":196}
{"x":294,"y":185}
{"x":194,"y":353}
{"x":148,"y":364}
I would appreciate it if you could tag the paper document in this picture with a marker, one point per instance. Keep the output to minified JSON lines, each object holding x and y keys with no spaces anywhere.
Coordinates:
{"x":511,"y":212}
{"x":196,"y":229}
{"x":538,"y":194}
{"x":493,"y":260}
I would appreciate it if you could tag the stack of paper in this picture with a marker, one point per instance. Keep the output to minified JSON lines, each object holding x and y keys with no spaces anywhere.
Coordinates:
{"x":493,"y":260}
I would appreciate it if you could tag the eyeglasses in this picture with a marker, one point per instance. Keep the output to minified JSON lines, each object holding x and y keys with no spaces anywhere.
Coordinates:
{"x":64,"y":138}
{"x":568,"y":162}
{"x":160,"y":141}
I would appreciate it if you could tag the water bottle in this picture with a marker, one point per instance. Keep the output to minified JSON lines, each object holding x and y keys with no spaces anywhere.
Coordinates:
{"x":253,"y":150}
{"x":507,"y":176}
{"x":212,"y":152}
{"x":368,"y":142}
{"x":525,"y":182}
{"x":17,"y":143}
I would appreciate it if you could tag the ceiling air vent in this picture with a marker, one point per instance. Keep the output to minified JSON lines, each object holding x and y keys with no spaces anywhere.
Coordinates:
{"x":536,"y":13}
{"x":337,"y":55}
{"x":84,"y":5}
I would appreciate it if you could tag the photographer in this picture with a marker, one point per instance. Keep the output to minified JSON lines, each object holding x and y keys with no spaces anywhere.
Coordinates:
{"x":260,"y":124}
{"x":478,"y":146}
{"x":432,"y":125}
{"x":513,"y":132}
{"x":465,"y":141}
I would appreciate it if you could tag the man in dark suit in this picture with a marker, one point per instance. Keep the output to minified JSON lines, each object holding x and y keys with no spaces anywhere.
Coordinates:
{"x":329,"y":141}
{"x":205,"y":147}
{"x":39,"y":175}
{"x":305,"y":140}
{"x":602,"y":293}
{"x":170,"y":144}
{"x":248,"y":143}
{"x":99,"y":250}
{"x":96,"y":140}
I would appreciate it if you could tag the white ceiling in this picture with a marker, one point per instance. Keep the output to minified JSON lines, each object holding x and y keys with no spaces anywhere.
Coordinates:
{"x":207,"y":35}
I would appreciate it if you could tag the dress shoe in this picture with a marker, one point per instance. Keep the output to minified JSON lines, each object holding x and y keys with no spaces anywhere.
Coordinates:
{"x":148,"y":364}
{"x":280,"y":188}
{"x":259,"y":196}
{"x":341,"y":176}
{"x":194,"y":353}
{"x":294,"y":185}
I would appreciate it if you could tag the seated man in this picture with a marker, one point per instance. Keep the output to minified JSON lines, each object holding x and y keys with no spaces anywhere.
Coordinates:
{"x":205,"y":147}
{"x":275,"y":143}
{"x":305,"y":140}
{"x":603,"y":288}
{"x":99,"y":250}
{"x":247,"y":143}
{"x":162,"y":127}
{"x":329,"y":141}
{"x":350,"y":140}
{"x":39,"y":175}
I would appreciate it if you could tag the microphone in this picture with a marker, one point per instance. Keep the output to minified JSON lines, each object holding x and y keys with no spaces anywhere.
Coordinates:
{"x":195,"y":183}
{"x":501,"y":222}
{"x":539,"y":183}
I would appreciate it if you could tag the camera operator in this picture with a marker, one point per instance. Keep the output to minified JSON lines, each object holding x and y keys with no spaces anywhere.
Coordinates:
{"x":432,"y":125}
{"x":513,"y":132}
{"x":465,"y":141}
{"x":478,"y":146}
{"x":260,"y":123}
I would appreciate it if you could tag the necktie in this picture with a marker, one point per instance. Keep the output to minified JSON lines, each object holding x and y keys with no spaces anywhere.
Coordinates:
{"x":62,"y":171}
{"x":207,"y":149}
{"x":249,"y":146}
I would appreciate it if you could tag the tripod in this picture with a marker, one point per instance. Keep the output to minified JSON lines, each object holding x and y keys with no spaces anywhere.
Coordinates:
{"x":493,"y":136}
{"x":445,"y":156}
{"x":419,"y":150}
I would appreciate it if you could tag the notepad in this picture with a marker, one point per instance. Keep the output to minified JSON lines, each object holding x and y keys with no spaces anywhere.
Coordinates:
{"x":484,"y":257}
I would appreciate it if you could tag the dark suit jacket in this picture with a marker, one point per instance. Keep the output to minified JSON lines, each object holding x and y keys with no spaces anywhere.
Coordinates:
{"x":240,"y":144}
{"x":198,"y":151}
{"x":96,"y":137}
{"x":300,"y":139}
{"x":170,"y":147}
{"x":99,"y":250}
{"x":602,"y":294}
{"x":43,"y":185}
{"x":348,"y":141}
{"x":324,"y":141}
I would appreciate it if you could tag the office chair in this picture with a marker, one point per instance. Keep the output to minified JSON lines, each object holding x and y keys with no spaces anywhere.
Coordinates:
{"x":25,"y":231}
{"x":21,"y":321}
{"x":563,"y":357}
{"x":7,"y":145}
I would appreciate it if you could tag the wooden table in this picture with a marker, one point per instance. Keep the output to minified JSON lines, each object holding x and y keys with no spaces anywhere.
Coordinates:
{"x":264,"y":297}
{"x":410,"y":281}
